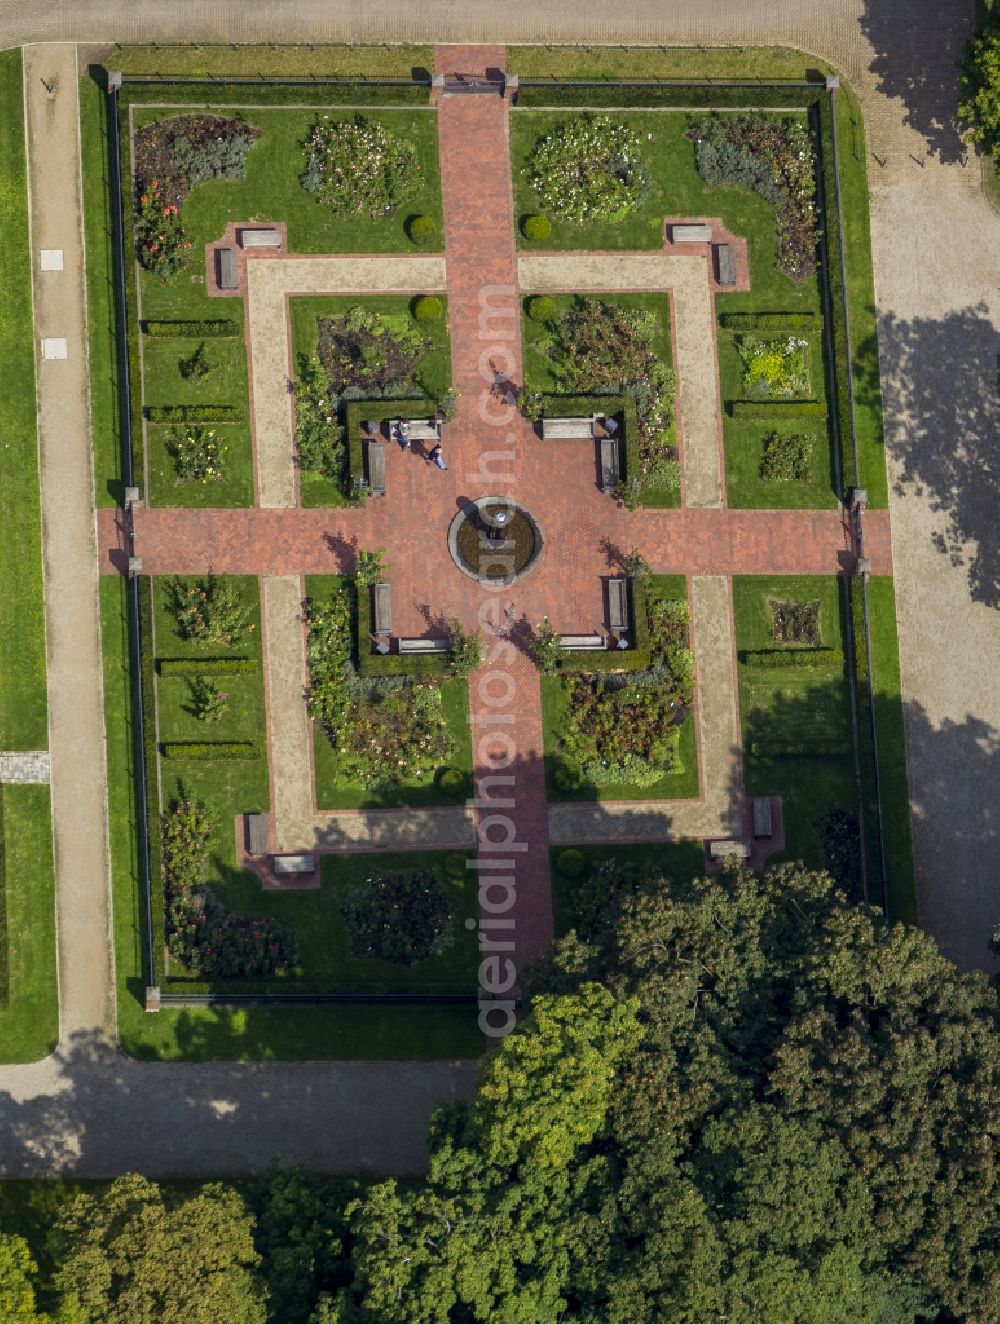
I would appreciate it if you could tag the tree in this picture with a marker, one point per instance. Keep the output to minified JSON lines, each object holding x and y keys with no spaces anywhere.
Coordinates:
{"x":17,"y":1273}
{"x":979,"y":104}
{"x":131,"y":1255}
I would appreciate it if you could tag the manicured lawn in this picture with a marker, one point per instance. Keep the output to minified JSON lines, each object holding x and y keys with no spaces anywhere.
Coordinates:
{"x":108,"y":487}
{"x":794,"y":706}
{"x":684,"y":62}
{"x":334,"y":791}
{"x":278,"y":61}
{"x":679,"y":785}
{"x":272,"y":191}
{"x":891,"y":749}
{"x":255,"y":1033}
{"x":537,"y":336}
{"x":29,"y":995}
{"x":434,"y":371}
{"x":680,"y":861}
{"x":325,"y":961}
{"x":23,"y":720}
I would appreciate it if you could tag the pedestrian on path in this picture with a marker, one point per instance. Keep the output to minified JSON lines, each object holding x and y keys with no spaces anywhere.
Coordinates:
{"x":435,"y":456}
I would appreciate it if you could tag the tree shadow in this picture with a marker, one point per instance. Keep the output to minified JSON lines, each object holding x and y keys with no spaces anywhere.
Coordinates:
{"x":940,"y":389}
{"x":914,"y":61}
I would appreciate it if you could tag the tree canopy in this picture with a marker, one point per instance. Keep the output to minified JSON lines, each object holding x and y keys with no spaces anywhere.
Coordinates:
{"x":979,"y":102}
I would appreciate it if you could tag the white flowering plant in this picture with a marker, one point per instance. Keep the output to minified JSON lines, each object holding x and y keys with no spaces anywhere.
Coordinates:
{"x":357,"y":167}
{"x":588,"y":169}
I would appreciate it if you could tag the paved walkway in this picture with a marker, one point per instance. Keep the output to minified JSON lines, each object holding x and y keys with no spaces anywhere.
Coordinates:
{"x":270,"y":282}
{"x":693,"y":335}
{"x":29,"y":768}
{"x":717,"y":810}
{"x":76,"y":724}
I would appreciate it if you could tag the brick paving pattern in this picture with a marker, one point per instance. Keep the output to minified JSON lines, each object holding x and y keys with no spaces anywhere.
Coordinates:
{"x":31,"y":768}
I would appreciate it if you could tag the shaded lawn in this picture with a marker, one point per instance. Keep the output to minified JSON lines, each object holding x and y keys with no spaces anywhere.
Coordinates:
{"x":272,"y":191}
{"x":680,"y":861}
{"x":886,"y":693}
{"x":536,"y":336}
{"x":246,"y":1034}
{"x":679,"y":785}
{"x":787,"y":705}
{"x":29,"y":1011}
{"x":325,"y":960}
{"x":434,"y":371}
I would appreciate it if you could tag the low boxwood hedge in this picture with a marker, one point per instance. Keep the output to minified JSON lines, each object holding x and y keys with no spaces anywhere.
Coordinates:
{"x":778,"y":411}
{"x":792,"y":657}
{"x":804,"y":749}
{"x":206,"y":666}
{"x":209,"y":749}
{"x":217,"y":328}
{"x":192,"y":413}
{"x":769,"y":324}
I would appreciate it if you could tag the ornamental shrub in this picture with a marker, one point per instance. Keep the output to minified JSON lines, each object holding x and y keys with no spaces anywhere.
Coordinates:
{"x":566,"y":776}
{"x":159,"y":235}
{"x":455,"y":865}
{"x":571,"y":862}
{"x":466,"y":652}
{"x":786,"y":458}
{"x":451,"y":781}
{"x":223,"y":157}
{"x":421,"y":230}
{"x":210,"y":611}
{"x":198,"y":455}
{"x":429,"y":308}
{"x":357,"y":167}
{"x":399,"y":917}
{"x":319,"y":437}
{"x":588,"y":168}
{"x":543,"y":308}
{"x":208,"y":702}
{"x":536,"y":228}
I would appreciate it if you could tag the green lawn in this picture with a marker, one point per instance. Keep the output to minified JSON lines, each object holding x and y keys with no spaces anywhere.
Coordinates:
{"x":255,"y":1033}
{"x":790,"y":705}
{"x":343,"y":61}
{"x":680,"y":861}
{"x":682,"y":62}
{"x":891,"y":749}
{"x":536,"y":336}
{"x":325,"y":962}
{"x":108,"y":487}
{"x":433,"y":373}
{"x":272,"y":191}
{"x":679,"y":785}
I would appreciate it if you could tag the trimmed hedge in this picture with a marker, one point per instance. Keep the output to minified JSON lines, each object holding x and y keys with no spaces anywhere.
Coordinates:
{"x":193,"y":413}
{"x":243,"y":92}
{"x":218,"y":328}
{"x":775,"y":411}
{"x":206,"y":666}
{"x":805,"y":749}
{"x":769,"y":324}
{"x":793,"y":657}
{"x":209,"y":749}
{"x":148,"y":680}
{"x":537,"y":93}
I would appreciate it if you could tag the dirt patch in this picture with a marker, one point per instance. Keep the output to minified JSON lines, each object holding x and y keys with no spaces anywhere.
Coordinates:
{"x":155,"y":157}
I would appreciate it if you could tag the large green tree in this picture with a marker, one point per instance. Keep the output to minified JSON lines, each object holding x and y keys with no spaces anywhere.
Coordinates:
{"x":739,"y":1099}
{"x":130,"y":1255}
{"x":979,"y":102}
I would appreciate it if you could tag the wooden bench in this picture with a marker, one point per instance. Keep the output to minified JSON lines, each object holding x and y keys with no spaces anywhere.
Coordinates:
{"x":283,"y":864}
{"x":610,"y":467}
{"x":691,"y":234}
{"x":257,"y":834}
{"x":425,"y":645}
{"x":574,"y":643}
{"x":762,"y":820}
{"x":381,"y":609}
{"x":567,"y":429}
{"x":375,"y":464}
{"x":729,"y":850}
{"x":618,"y":604}
{"x":421,"y":429}
{"x":225,"y":269}
{"x":725,"y":264}
{"x":266,"y":238}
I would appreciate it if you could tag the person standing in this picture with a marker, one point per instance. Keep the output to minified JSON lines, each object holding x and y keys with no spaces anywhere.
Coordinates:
{"x":435,"y":456}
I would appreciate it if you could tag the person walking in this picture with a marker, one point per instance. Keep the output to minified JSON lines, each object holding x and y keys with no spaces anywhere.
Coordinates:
{"x":435,"y":456}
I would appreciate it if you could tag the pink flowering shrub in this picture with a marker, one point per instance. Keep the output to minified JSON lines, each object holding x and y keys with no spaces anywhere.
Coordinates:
{"x":159,"y":235}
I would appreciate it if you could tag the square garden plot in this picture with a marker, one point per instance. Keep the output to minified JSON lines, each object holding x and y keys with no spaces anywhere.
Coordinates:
{"x":388,"y":347}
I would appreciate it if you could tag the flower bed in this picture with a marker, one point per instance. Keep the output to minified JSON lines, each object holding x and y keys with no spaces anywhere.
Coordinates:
{"x":774,"y":157}
{"x":598,"y":348}
{"x":787,"y":459}
{"x":210,"y":611}
{"x":208,"y":940}
{"x":588,"y":169}
{"x":160,"y":244}
{"x":774,"y":369}
{"x":183,"y":151}
{"x":198,"y":456}
{"x":385,"y":730}
{"x":357,"y":167}
{"x":795,"y":622}
{"x":399,"y":917}
{"x":624,"y":727}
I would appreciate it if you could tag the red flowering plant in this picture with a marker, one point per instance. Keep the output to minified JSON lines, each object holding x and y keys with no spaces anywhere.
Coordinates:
{"x":159,"y":235}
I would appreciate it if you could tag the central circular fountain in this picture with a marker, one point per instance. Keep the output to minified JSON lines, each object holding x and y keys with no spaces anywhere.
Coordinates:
{"x":495,"y":540}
